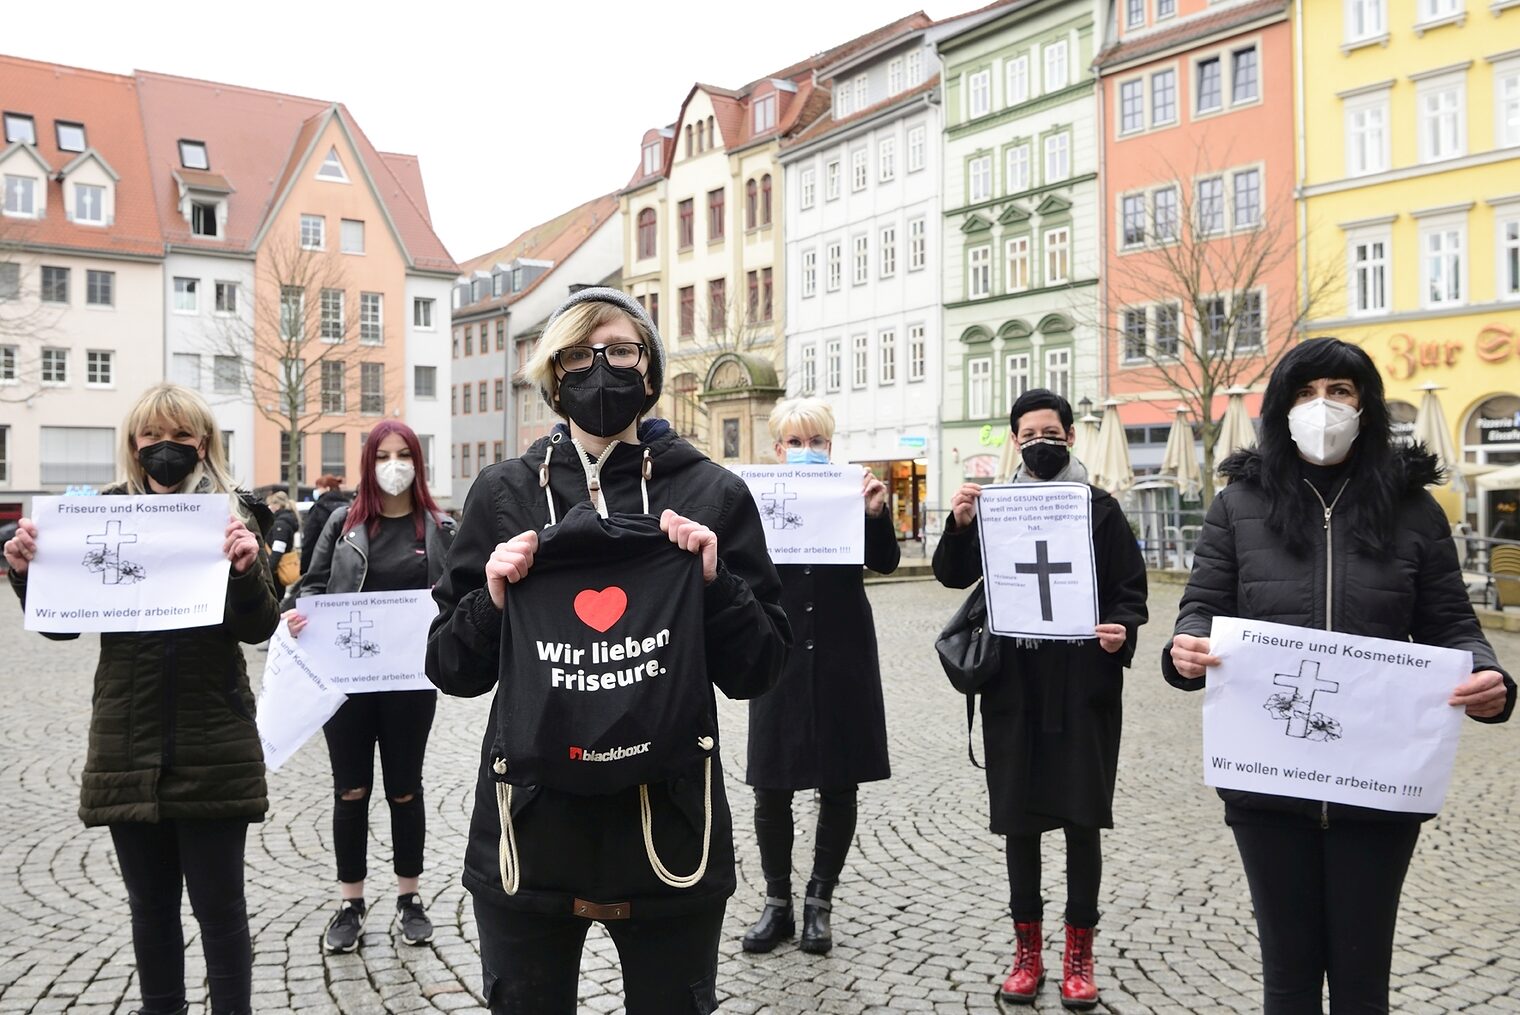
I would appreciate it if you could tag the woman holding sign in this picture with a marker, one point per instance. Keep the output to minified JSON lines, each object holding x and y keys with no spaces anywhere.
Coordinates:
{"x":175,"y":769}
{"x":1051,"y":719}
{"x":564,"y":595}
{"x":392,"y":537}
{"x":823,"y":726}
{"x":1327,"y":524}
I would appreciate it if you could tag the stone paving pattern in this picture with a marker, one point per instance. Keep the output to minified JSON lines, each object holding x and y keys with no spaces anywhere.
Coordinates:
{"x":920,"y":917}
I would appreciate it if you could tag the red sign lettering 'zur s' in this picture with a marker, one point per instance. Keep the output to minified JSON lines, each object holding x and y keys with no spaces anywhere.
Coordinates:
{"x":600,"y":610}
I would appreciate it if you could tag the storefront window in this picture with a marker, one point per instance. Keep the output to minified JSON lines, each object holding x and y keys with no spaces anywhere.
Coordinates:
{"x":1491,"y":438}
{"x":907,"y":490}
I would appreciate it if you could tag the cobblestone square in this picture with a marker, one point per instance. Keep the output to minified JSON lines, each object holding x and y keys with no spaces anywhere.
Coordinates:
{"x":920,"y":916}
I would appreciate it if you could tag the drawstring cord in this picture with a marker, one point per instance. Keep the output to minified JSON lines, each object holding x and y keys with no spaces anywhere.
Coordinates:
{"x":511,"y":865}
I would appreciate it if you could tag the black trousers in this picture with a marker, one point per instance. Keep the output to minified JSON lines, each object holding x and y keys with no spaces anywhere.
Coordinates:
{"x":400,"y":722}
{"x":207,"y":858}
{"x":1084,"y":875}
{"x":774,"y":833}
{"x":1326,"y":902}
{"x":532,"y":961}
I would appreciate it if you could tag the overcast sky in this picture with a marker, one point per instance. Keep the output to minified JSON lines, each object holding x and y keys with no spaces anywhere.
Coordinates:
{"x":518,"y":110}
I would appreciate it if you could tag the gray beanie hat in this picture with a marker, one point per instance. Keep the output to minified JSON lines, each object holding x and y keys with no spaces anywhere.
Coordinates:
{"x":624,"y":302}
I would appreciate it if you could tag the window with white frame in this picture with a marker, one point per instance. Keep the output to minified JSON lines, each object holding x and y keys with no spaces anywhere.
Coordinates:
{"x":1058,"y":371}
{"x":1132,"y":220}
{"x":10,"y":280}
{"x":424,"y":382}
{"x":422,"y":314}
{"x":1057,"y":157}
{"x":809,"y":273}
{"x":227,"y":297}
{"x":917,"y":353}
{"x":20,"y":128}
{"x":352,"y":235}
{"x":100,"y":288}
{"x":1441,"y":268}
{"x":372,"y":319}
{"x":765,"y":113}
{"x":1057,"y":255}
{"x":1368,"y":291}
{"x":1432,"y":10}
{"x":915,"y":68}
{"x":1249,"y":326}
{"x":332,"y":313}
{"x":915,"y":148}
{"x":333,"y":400}
{"x":886,"y":357}
{"x":831,"y":180}
{"x":860,"y":360}
{"x":842,"y":103}
{"x":55,"y":365}
{"x":1246,"y":186}
{"x":652,"y":158}
{"x":979,"y":387}
{"x":809,"y":369}
{"x":1367,"y":134}
{"x":8,"y":364}
{"x":20,"y":196}
{"x":185,"y":370}
{"x":888,"y":251}
{"x":1165,"y":214}
{"x":886,"y":159}
{"x":1208,"y":89}
{"x":372,"y":389}
{"x":1507,"y":103}
{"x":1016,"y":263}
{"x":332,"y":168}
{"x":834,"y":267}
{"x":1165,"y":8}
{"x":1131,"y":106}
{"x":1216,"y":326}
{"x":1168,"y":329}
{"x":832,"y":366}
{"x":1508,"y":229}
{"x":1134,"y":13}
{"x":187,"y":295}
{"x":89,"y":204}
{"x":894,"y":76}
{"x":99,"y":368}
{"x":1211,"y":205}
{"x":292,"y":312}
{"x":76,"y":454}
{"x":1443,"y":118}
{"x":1245,"y":76}
{"x":1016,"y":79}
{"x":861,"y":261}
{"x":862,"y":91}
{"x":1132,"y":328}
{"x":313,"y":232}
{"x":1057,"y":74}
{"x":918,"y":244}
{"x":808,"y":188}
{"x":979,"y":93}
{"x":1164,"y":97}
{"x":859,"y":174}
{"x":1016,"y":173}
{"x":978,"y":272}
{"x":979,"y":175}
{"x":1364,"y":20}
{"x":55,"y":284}
{"x":1018,"y":374}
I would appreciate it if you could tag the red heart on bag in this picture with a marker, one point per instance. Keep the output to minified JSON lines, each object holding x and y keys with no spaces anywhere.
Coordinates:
{"x":600,"y":610}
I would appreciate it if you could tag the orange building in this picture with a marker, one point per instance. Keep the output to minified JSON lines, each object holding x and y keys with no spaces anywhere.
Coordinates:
{"x":1198,"y":175}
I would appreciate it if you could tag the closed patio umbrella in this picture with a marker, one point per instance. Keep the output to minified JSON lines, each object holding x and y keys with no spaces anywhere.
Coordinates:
{"x":1181,"y":459}
{"x":1430,"y":429}
{"x":1235,"y":430}
{"x":1085,"y":450}
{"x":1111,"y":470}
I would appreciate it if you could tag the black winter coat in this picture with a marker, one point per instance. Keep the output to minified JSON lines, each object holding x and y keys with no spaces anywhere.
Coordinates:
{"x":1051,"y":719}
{"x":1415,"y":593}
{"x":591,"y":847}
{"x":172,"y":732}
{"x":316,"y":521}
{"x":823,"y":725}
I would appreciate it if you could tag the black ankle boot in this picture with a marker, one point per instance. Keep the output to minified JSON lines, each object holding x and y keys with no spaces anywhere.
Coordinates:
{"x":817,"y":937}
{"x":776,"y":924}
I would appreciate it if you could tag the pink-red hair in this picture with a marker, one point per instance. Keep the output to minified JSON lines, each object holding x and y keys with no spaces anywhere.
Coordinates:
{"x":365,"y":509}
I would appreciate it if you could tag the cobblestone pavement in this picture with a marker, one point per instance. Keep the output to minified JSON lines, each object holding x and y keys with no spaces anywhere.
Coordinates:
{"x":920,"y":917}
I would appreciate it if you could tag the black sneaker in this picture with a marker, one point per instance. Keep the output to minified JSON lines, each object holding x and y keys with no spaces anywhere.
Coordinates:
{"x":416,"y":928}
{"x":346,"y":928}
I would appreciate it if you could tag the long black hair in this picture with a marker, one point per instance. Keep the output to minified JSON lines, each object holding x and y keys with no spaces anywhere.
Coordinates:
{"x":1374,"y":473}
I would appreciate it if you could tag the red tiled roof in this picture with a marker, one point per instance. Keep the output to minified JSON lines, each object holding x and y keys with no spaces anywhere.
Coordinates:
{"x":107,"y":106}
{"x":426,"y":249}
{"x":1187,"y":29}
{"x":982,"y":10}
{"x":407,"y":169}
{"x":824,"y":126}
{"x":553,"y":240}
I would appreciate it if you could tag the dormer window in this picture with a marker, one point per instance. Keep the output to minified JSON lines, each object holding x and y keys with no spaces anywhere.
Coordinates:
{"x":21,"y":196}
{"x":89,"y":204}
{"x":517,"y":280}
{"x":192,"y":155}
{"x":203,"y":218}
{"x":652,"y":157}
{"x":332,"y":168}
{"x":70,"y":136}
{"x":498,"y":283}
{"x":21,"y":128}
{"x":765,"y":113}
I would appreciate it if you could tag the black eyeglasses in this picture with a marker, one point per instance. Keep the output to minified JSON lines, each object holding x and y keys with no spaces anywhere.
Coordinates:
{"x":578,"y":358}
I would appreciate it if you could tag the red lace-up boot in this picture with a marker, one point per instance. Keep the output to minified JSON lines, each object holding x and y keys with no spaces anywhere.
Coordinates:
{"x":1028,"y":971}
{"x":1078,"y":991}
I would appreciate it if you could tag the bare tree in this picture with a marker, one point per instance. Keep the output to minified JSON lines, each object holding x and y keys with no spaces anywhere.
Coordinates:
{"x":1189,"y":310}
{"x":304,"y":358}
{"x":734,"y":325}
{"x":25,"y":321}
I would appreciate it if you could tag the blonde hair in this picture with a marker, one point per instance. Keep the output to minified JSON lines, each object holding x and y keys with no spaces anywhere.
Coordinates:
{"x":572,"y":328}
{"x":178,"y":405}
{"x":278,"y":501}
{"x":801,"y":414}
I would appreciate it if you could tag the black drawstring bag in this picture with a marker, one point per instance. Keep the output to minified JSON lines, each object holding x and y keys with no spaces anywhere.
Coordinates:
{"x":606,"y":685}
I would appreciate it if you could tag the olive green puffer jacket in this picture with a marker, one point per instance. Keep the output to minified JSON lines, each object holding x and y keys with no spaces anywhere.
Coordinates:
{"x":172,"y":734}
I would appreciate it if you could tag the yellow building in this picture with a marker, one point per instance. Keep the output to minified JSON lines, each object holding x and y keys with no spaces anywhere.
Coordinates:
{"x":1409,"y":185}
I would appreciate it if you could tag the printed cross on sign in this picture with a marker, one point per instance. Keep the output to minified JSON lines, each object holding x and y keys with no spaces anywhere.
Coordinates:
{"x":1042,"y":566}
{"x":354,"y":627}
{"x":1307,"y":678}
{"x":110,"y":542}
{"x":776,"y":502}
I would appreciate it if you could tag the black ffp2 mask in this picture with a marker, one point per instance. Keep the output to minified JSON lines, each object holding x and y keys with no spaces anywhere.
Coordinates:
{"x":1045,"y":457}
{"x":603,"y":400}
{"x":169,"y":462}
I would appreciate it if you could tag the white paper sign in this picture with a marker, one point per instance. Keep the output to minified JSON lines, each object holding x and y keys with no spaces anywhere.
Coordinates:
{"x":369,"y":641}
{"x":1037,"y":556}
{"x":812,"y":514}
{"x":293,"y":701}
{"x":128,"y":563}
{"x":1324,"y":716}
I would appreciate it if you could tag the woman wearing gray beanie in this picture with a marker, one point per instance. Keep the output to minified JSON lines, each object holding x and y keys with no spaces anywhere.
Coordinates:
{"x":542,"y":862}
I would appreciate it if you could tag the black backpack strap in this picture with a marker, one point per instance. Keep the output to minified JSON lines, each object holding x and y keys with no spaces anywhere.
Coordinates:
{"x":970,"y":718}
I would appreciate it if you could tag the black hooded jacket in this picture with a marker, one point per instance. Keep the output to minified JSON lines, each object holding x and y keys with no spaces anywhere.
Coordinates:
{"x":1413,"y":593}
{"x":590,"y":847}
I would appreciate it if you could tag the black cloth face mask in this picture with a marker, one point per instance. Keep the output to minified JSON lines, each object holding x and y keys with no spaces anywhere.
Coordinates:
{"x":603,"y":400}
{"x":1045,"y":456}
{"x":169,"y":462}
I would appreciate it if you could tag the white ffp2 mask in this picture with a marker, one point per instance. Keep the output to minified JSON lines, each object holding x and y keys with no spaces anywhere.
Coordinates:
{"x":395,"y":475}
{"x":1324,"y":430}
